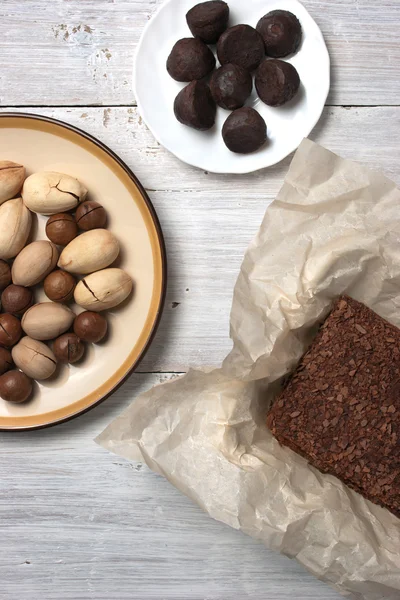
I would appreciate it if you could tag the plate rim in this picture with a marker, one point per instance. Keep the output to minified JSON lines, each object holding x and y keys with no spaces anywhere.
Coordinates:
{"x":163,"y":256}
{"x":244,"y":171}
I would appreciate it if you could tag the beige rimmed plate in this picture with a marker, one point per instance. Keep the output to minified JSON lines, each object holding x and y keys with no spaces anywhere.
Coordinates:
{"x":41,"y":143}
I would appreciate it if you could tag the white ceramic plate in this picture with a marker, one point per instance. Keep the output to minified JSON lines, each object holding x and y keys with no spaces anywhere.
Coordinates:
{"x":155,"y":90}
{"x":44,"y":144}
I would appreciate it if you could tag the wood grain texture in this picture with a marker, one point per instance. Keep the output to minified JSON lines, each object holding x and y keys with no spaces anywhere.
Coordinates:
{"x":80,"y":52}
{"x":79,"y":524}
{"x":75,"y":522}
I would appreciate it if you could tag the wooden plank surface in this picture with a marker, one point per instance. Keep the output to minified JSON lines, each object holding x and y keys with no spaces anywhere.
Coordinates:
{"x":75,"y":522}
{"x":79,"y":524}
{"x":80,"y":52}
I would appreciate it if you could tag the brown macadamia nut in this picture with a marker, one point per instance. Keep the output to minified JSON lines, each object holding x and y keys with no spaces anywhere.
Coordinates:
{"x":59,"y":286}
{"x":61,"y":229}
{"x":5,"y":274}
{"x":90,"y":215}
{"x":16,"y":299}
{"x":6,"y":361}
{"x":10,"y":330}
{"x":90,"y":327}
{"x":68,"y":348}
{"x":15,"y":387}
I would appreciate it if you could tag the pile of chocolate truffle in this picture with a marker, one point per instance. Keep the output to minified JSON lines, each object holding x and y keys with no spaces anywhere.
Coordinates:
{"x":241,"y":50}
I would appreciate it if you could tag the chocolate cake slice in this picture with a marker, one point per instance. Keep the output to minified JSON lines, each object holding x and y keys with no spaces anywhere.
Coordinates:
{"x":341,"y":407}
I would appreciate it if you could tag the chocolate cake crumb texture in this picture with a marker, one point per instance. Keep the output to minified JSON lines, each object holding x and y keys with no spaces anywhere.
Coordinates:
{"x":341,"y":408}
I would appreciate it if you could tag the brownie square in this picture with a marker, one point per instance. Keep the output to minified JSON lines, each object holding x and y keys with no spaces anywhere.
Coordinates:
{"x":341,"y":407}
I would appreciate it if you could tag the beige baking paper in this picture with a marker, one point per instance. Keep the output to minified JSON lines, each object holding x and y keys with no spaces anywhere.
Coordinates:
{"x":333,"y":228}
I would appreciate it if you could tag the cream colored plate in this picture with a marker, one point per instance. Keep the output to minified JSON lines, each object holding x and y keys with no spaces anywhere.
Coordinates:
{"x":40,"y":143}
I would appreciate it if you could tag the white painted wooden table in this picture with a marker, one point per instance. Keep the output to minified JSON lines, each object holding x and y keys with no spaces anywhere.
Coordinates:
{"x":75,"y":522}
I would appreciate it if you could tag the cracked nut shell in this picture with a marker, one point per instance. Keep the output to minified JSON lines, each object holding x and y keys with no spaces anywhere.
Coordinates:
{"x":15,"y":227}
{"x":6,"y":361}
{"x":90,"y":327}
{"x":208,"y":20}
{"x":34,"y":358}
{"x":90,"y":215}
{"x":68,"y":348}
{"x":281,"y":32}
{"x":12,"y":177}
{"x":190,"y":60}
{"x":10,"y":330}
{"x":34,"y":262}
{"x":5,"y":274}
{"x":49,"y":193}
{"x":59,"y":286}
{"x":241,"y":45}
{"x":61,"y":229}
{"x":15,"y":387}
{"x":103,"y":290}
{"x":16,"y":299}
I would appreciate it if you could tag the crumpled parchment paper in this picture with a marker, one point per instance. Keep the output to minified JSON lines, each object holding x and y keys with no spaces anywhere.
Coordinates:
{"x":333,"y":228}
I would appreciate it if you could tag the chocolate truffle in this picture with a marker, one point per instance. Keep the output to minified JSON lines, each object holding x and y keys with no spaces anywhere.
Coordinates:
{"x":6,"y":361}
{"x":241,"y":45}
{"x":244,"y":131}
{"x":194,"y":106}
{"x":281,"y":32}
{"x":208,"y":20}
{"x":190,"y":60}
{"x":277,"y":82}
{"x":230,"y":86}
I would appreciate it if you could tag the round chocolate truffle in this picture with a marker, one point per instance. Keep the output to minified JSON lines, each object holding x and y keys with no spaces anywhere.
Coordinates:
{"x":90,"y":215}
{"x":208,"y":20}
{"x":281,"y":32}
{"x":16,"y":299}
{"x":6,"y":361}
{"x":277,"y":82}
{"x":244,"y":131}
{"x":241,"y":45}
{"x":190,"y":60}
{"x":230,"y":86}
{"x":194,"y":106}
{"x":68,"y":348}
{"x":90,"y":327}
{"x":15,"y":387}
